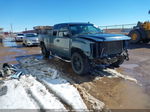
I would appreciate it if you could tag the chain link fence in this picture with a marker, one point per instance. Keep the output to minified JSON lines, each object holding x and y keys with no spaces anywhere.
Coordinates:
{"x":118,"y":29}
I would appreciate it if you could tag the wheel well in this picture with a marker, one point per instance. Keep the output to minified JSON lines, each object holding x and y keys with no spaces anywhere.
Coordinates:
{"x":76,"y":50}
{"x":41,"y":43}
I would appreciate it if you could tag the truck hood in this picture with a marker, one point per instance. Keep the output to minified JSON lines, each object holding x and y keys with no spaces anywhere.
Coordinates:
{"x":32,"y":38}
{"x":104,"y":37}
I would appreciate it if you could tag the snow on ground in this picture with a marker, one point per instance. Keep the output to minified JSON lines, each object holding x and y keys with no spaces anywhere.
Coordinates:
{"x":117,"y":74}
{"x":54,"y":82}
{"x":44,"y":98}
{"x":28,"y":93}
{"x":112,"y":73}
{"x":68,"y":93}
{"x":16,"y":97}
{"x":49,"y":79}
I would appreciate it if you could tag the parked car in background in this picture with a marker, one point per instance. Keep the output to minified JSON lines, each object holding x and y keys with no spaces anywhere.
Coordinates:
{"x":19,"y":37}
{"x":30,"y":39}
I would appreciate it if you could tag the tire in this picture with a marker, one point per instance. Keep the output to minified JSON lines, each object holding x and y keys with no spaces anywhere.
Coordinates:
{"x":23,"y":44}
{"x":26,"y":45}
{"x":1,"y":74}
{"x":135,"y":36}
{"x":146,"y":41}
{"x":44,"y":51}
{"x":80,"y":63}
{"x":15,"y":39}
{"x":119,"y":62}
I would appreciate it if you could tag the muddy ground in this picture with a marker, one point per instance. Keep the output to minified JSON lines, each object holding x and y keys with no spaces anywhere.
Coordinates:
{"x":115,"y":92}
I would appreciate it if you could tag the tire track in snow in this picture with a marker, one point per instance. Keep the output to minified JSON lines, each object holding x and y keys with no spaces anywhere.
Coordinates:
{"x":68,"y":107}
{"x":31,"y":95}
{"x":61,"y":87}
{"x":40,"y":94}
{"x":16,"y":97}
{"x":66,"y":92}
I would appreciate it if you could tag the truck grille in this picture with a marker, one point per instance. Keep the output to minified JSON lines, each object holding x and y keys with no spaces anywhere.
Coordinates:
{"x":110,"y":48}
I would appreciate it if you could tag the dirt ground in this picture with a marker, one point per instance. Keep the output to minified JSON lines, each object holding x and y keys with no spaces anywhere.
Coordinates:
{"x":115,"y":92}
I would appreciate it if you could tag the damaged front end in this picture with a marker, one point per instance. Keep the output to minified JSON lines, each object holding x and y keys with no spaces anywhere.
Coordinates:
{"x":108,"y":53}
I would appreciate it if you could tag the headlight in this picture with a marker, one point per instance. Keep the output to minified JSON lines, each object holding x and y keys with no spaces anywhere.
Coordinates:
{"x":28,"y":41}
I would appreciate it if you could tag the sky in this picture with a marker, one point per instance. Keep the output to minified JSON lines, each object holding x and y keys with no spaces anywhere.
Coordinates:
{"x":23,"y":14}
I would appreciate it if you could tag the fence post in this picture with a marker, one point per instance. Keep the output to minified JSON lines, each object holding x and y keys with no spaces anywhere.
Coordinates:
{"x":122,"y":27}
{"x":106,"y":29}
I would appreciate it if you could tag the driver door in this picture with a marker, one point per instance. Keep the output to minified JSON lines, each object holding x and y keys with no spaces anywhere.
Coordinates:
{"x":62,"y":43}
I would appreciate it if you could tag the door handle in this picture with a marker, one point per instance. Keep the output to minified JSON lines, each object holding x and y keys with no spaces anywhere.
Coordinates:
{"x":57,"y":40}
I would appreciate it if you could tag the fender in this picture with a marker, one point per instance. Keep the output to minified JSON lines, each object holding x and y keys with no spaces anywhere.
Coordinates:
{"x":84,"y":46}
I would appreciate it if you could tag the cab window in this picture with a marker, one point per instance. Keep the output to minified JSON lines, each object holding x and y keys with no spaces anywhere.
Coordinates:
{"x":62,"y":30}
{"x":54,"y":33}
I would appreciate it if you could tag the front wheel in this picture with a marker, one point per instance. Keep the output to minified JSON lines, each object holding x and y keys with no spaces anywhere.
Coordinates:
{"x":44,"y":51}
{"x":118,"y":62}
{"x":23,"y":44}
{"x":135,"y":36}
{"x":80,"y":63}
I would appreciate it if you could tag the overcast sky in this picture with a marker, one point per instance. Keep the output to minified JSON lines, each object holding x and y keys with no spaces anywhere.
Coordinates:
{"x":28,"y":13}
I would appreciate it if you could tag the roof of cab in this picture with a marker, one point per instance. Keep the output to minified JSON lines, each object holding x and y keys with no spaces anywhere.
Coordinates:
{"x":70,"y":23}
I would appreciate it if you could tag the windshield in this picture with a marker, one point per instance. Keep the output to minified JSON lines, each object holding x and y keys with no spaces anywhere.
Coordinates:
{"x":84,"y":29}
{"x":20,"y":34}
{"x":31,"y":35}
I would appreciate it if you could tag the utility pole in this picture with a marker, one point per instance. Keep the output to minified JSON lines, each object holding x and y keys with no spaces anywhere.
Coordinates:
{"x":11,"y":27}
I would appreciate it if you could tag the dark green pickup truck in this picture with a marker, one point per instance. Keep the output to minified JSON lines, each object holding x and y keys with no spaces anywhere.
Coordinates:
{"x":84,"y":45}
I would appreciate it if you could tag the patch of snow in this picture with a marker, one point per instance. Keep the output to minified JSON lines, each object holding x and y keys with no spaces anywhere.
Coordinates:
{"x":65,"y":91}
{"x":54,"y":82}
{"x":61,"y":87}
{"x":28,"y":93}
{"x":117,"y":74}
{"x":41,"y":94}
{"x":16,"y":97}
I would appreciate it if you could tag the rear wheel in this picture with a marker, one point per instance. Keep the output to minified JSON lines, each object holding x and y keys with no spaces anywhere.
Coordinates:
{"x":80,"y":63}
{"x":146,"y":41}
{"x":23,"y":44}
{"x":44,"y":51}
{"x":135,"y":36}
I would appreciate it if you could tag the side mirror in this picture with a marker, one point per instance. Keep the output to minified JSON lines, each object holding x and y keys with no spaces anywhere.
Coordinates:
{"x":66,"y":33}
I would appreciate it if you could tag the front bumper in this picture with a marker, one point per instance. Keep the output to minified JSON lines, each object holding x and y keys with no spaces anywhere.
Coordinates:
{"x":111,"y":59}
{"x":32,"y":42}
{"x":19,"y":38}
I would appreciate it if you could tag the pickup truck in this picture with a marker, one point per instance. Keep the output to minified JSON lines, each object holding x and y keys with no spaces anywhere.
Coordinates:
{"x":84,"y":45}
